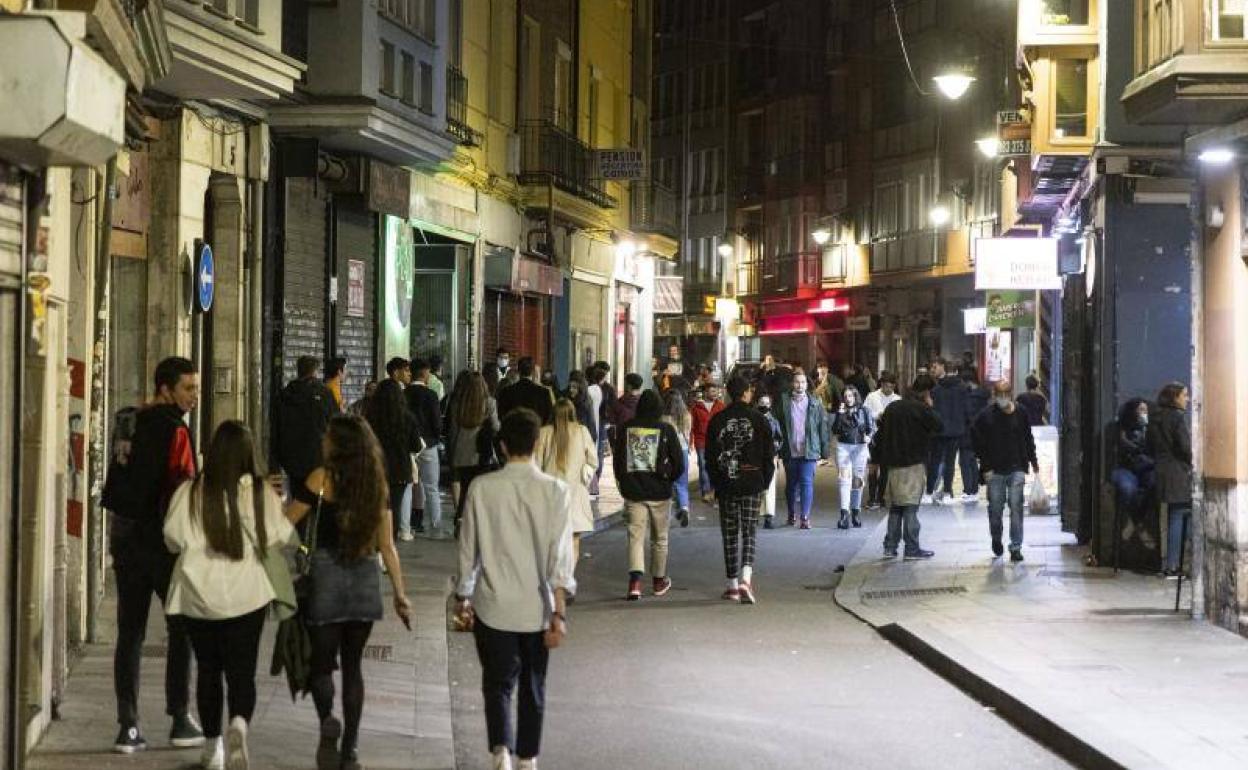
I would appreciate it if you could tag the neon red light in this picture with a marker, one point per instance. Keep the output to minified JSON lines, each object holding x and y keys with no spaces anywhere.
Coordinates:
{"x":830,"y":305}
{"x":786,"y":324}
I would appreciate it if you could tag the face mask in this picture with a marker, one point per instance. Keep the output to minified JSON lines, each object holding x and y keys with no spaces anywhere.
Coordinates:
{"x":764,"y":406}
{"x":1002,"y":403}
{"x":1144,"y":419}
{"x":502,"y":362}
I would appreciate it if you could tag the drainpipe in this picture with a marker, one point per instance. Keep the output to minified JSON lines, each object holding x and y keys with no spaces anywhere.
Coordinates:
{"x":1197,"y":389}
{"x":13,"y":727}
{"x":99,"y":409}
{"x":255,"y":325}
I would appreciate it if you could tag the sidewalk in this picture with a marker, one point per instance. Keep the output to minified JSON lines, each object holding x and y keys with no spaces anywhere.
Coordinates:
{"x":407,"y":710}
{"x":1095,"y":665}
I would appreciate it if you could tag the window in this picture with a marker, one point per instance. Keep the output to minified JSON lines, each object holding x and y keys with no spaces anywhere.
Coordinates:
{"x":1070,"y":100}
{"x":1229,"y":19}
{"x":885,"y":208}
{"x":408,"y":93}
{"x":457,"y":32}
{"x":530,"y":69}
{"x":426,"y":87}
{"x":563,"y":87}
{"x":1064,"y":13}
{"x":386,"y":80}
{"x":595,"y":94}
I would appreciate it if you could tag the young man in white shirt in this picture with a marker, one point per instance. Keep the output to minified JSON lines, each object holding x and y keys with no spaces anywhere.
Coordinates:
{"x":876,"y":403}
{"x":515,"y":567}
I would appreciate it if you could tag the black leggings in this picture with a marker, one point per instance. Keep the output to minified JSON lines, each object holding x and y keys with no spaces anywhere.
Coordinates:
{"x":344,"y":642}
{"x":226,"y":648}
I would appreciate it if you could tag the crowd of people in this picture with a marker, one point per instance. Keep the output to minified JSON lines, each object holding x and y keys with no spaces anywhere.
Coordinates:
{"x":524,"y":455}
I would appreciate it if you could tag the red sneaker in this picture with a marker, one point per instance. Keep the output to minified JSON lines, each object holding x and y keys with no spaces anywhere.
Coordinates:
{"x":746,"y":592}
{"x":732,"y":594}
{"x":662,"y":585}
{"x":634,"y":589}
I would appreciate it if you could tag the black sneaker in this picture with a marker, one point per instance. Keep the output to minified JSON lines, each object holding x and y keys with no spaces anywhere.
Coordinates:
{"x":843,"y":522}
{"x":767,"y":522}
{"x":1016,"y":556}
{"x":185,"y":732}
{"x":129,"y":740}
{"x":683,"y":516}
{"x":350,"y":760}
{"x":920,"y":554}
{"x":327,"y":749}
{"x":997,"y":548}
{"x":890,"y":553}
{"x":855,"y":518}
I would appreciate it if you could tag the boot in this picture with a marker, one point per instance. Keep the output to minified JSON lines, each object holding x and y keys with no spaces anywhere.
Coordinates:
{"x":856,"y":518}
{"x":843,"y":522}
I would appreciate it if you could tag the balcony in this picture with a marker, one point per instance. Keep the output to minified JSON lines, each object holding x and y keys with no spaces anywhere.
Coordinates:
{"x":789,"y":275}
{"x":457,"y":109}
{"x":1187,"y":76}
{"x":653,"y":209}
{"x":550,"y":155}
{"x":921,"y":250}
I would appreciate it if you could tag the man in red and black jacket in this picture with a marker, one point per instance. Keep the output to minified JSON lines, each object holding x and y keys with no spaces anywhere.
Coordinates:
{"x":160,"y":457}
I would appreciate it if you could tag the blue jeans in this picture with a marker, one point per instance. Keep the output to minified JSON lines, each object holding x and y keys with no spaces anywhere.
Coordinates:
{"x":799,"y":487}
{"x":680,"y":490}
{"x":427,"y":464}
{"x":1003,"y":486}
{"x":704,"y":479}
{"x":851,"y":462}
{"x":1178,"y":516}
{"x":903,"y":519}
{"x":401,"y":507}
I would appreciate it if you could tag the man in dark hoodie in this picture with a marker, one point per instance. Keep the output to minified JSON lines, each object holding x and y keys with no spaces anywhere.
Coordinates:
{"x":949,"y":398}
{"x":647,"y":457}
{"x":161,"y":456}
{"x":741,"y":459}
{"x":303,"y":411}
{"x":907,"y":429}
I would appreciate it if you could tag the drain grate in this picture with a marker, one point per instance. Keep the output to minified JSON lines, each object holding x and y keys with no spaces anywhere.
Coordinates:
{"x":381,"y":652}
{"x":1074,"y":574}
{"x":907,"y":593}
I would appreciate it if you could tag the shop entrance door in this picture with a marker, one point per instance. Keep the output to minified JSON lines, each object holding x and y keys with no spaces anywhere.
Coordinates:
{"x":625,"y":343}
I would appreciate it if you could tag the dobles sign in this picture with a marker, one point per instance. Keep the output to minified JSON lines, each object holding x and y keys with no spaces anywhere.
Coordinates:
{"x":1018,"y":264}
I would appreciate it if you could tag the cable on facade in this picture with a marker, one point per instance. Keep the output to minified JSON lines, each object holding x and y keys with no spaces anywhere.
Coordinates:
{"x":901,"y":39}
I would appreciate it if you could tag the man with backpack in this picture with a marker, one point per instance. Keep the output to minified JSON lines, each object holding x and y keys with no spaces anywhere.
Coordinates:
{"x":647,"y":458}
{"x":140,"y":482}
{"x":303,"y":412}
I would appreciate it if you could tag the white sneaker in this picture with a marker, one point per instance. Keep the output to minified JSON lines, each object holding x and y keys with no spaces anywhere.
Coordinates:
{"x":970,"y":499}
{"x":213,"y":755}
{"x":527,"y":764}
{"x":502,"y":758}
{"x":406,"y":536}
{"x":927,"y":500}
{"x":947,"y":500}
{"x":236,"y":745}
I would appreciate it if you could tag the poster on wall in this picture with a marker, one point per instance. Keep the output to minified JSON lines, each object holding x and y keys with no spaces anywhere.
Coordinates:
{"x":1018,"y":264}
{"x":999,"y":357}
{"x":355,"y":288}
{"x":1011,"y":309}
{"x":397,"y":287}
{"x":975,"y":321}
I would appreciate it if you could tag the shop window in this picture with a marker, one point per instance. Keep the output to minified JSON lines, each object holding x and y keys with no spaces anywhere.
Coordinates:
{"x":1065,"y":13}
{"x":1228,"y":19}
{"x":1070,"y":99}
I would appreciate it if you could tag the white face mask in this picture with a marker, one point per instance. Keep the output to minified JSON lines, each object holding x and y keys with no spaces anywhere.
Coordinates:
{"x":1003,"y":403}
{"x":503,"y":362}
{"x":1144,"y":419}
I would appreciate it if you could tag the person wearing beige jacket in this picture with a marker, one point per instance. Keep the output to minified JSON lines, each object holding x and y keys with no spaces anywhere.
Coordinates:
{"x":567,"y":451}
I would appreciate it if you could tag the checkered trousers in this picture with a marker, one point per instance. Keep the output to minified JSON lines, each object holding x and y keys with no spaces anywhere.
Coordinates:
{"x":738,"y":524}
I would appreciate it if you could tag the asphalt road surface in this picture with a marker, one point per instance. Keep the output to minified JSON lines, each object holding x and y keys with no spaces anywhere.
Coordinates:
{"x":691,"y":681}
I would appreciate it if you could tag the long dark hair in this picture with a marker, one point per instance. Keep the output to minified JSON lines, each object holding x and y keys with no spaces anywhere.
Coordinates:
{"x":1129,"y":414}
{"x":358,"y":477}
{"x":231,"y":458}
{"x":386,"y":414}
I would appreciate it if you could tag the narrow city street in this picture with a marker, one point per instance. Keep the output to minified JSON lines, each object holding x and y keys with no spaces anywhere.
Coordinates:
{"x":689,"y":680}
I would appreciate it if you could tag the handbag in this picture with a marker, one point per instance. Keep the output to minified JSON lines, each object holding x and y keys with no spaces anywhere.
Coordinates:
{"x":303,"y":556}
{"x":276,"y":568}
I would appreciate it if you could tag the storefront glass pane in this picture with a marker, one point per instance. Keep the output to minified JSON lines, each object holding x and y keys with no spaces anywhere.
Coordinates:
{"x":1064,"y":13}
{"x":1230,"y":19}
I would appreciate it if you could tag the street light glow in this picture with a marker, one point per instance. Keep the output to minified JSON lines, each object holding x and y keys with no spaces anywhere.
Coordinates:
{"x":625,"y":249}
{"x":821,"y":236}
{"x":1217,"y":156}
{"x":939,"y":216}
{"x":953,"y":85}
{"x":989,"y":146}
{"x":725,"y":250}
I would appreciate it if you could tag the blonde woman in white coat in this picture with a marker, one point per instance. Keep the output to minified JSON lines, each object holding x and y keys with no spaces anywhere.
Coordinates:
{"x":568,"y":452}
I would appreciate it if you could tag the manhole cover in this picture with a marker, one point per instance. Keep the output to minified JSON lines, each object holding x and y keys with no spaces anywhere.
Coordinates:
{"x":906,"y":593}
{"x":1074,"y":574}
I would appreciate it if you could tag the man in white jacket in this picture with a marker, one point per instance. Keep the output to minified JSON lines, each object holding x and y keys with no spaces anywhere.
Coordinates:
{"x":515,"y":567}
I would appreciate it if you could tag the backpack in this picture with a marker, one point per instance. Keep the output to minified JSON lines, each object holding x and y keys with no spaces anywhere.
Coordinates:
{"x":118,"y":495}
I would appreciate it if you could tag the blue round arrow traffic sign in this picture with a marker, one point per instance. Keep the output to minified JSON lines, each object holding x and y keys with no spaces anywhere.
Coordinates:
{"x":205,"y":278}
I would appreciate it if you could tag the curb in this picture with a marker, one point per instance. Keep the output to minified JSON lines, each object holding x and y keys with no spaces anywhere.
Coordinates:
{"x":1028,"y":712}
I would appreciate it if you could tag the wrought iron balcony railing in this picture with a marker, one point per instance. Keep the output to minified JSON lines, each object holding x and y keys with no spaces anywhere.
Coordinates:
{"x":654,"y":209}
{"x":783,"y":276}
{"x":457,"y":108}
{"x":548,"y":153}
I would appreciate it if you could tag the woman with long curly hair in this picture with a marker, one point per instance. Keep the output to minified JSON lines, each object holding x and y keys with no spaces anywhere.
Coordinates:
{"x":473,"y":423}
{"x":346,"y":503}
